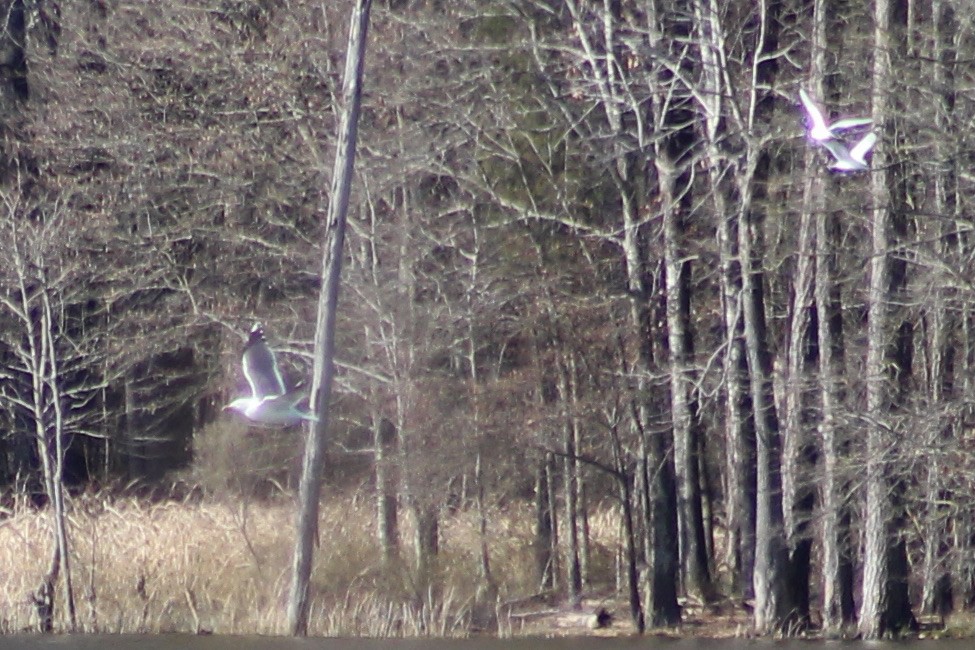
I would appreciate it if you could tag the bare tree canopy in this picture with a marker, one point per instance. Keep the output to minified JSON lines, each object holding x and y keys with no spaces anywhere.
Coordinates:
{"x":594,"y":263}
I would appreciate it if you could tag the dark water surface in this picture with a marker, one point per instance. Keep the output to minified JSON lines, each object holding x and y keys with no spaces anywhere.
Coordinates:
{"x":192,"y":642}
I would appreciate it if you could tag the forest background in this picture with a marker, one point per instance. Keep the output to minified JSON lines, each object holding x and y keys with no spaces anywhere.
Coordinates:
{"x":595,"y":272}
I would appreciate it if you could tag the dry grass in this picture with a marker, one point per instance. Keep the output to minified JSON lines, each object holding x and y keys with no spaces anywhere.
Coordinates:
{"x":223,"y":563}
{"x":225,"y":567}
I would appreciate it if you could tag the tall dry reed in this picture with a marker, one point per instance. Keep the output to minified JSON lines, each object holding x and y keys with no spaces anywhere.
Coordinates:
{"x":223,"y":566}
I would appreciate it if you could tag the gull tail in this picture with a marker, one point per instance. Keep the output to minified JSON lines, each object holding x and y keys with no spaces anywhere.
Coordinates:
{"x":296,"y":396}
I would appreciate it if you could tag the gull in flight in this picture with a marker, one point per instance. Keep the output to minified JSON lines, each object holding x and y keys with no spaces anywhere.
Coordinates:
{"x":270,"y":403}
{"x":851,"y":160}
{"x":819,"y":130}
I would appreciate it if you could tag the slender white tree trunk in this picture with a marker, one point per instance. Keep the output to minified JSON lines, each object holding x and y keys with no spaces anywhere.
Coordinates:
{"x":877,"y":506}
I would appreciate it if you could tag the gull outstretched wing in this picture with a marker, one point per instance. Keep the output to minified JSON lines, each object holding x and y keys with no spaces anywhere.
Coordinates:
{"x":260,"y":366}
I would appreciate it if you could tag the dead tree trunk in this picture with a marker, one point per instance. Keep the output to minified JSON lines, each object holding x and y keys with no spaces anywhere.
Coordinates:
{"x":324,"y":372}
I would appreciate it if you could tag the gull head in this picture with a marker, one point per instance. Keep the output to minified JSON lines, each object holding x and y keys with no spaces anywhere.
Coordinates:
{"x":240,"y":405}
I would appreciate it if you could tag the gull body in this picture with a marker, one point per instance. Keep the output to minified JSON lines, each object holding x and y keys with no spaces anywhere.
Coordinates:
{"x":819,"y":130}
{"x":269,"y":402}
{"x":851,"y":160}
{"x":279,"y":410}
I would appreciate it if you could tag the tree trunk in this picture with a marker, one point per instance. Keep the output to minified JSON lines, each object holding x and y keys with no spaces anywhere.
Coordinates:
{"x":552,"y":490}
{"x":49,"y":328}
{"x":656,"y":447}
{"x":798,"y":453}
{"x":570,"y":475}
{"x":664,"y":609}
{"x":324,"y":371}
{"x":876,"y":507}
{"x":774,"y":607}
{"x":739,"y":467}
{"x":543,"y":528}
{"x":624,"y":483}
{"x":837,"y":582}
{"x":833,"y":531}
{"x":426,"y":544}
{"x":693,"y":544}
{"x":886,"y":605}
{"x":573,"y":574}
{"x":937,"y":592}
{"x":632,"y":574}
{"x":387,"y":509}
{"x":484,"y":566}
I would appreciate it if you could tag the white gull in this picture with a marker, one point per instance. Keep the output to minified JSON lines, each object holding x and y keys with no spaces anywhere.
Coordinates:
{"x":270,"y":402}
{"x":819,"y":130}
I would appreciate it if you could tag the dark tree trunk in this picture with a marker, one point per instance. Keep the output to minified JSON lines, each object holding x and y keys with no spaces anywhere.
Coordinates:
{"x":624,"y":482}
{"x":387,"y":509}
{"x":774,"y":608}
{"x":694,"y":558}
{"x":426,"y":543}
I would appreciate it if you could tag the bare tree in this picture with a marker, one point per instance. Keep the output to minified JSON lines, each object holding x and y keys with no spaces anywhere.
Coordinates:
{"x":44,"y":295}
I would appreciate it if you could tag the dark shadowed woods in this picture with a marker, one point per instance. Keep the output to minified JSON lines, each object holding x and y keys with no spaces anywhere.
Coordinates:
{"x":592,"y":264}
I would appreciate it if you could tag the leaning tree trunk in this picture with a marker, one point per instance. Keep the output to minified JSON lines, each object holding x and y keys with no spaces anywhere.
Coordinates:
{"x":324,"y":371}
{"x":544,"y":523}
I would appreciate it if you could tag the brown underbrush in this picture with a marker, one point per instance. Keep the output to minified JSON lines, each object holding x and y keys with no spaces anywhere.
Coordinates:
{"x":215,"y":556}
{"x":223,"y":566}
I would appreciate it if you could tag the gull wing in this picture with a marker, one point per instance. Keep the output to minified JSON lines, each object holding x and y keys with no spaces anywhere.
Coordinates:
{"x":812,"y":110}
{"x":863,"y":147}
{"x":260,"y":366}
{"x":849,"y":123}
{"x":296,"y":394}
